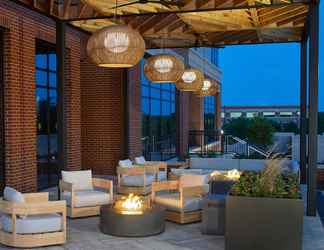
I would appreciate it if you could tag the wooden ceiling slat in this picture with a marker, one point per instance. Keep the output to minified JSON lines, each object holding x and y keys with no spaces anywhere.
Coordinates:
{"x":211,"y":22}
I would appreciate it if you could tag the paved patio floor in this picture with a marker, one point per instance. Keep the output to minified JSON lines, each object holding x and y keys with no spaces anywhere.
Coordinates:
{"x":83,"y":234}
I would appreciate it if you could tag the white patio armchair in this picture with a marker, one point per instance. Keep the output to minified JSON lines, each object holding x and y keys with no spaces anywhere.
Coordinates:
{"x":84,"y":194}
{"x":182,"y":198}
{"x":31,"y":220}
{"x":136,"y":179}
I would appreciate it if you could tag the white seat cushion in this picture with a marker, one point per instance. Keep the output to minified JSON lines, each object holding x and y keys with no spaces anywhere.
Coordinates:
{"x":81,"y":180}
{"x":125,"y":163}
{"x":172,"y":202}
{"x":87,"y":198}
{"x":33,"y":224}
{"x":137,"y":180}
{"x":140,"y":160}
{"x":162,"y":176}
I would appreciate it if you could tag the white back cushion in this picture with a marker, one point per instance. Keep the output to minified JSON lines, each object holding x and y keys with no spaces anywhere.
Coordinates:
{"x":125,"y":163}
{"x":251,"y":165}
{"x":140,"y":160}
{"x":192,"y":180}
{"x":81,"y":180}
{"x":214,"y":163}
{"x":12,"y":195}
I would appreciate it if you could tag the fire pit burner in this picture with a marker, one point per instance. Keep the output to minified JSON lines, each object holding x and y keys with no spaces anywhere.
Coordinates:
{"x":131,"y":217}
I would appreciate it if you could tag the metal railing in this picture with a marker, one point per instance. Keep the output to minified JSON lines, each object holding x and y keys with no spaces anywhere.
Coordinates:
{"x":204,"y":142}
{"x":239,"y":146}
{"x":159,"y":149}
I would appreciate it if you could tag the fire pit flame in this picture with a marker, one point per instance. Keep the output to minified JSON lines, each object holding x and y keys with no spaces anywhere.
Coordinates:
{"x":131,"y":205}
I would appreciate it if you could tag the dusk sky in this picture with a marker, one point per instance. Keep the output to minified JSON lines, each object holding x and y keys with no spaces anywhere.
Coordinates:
{"x":266,"y":74}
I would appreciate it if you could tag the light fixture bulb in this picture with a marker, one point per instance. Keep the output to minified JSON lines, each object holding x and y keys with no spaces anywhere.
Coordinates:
{"x":189,"y":76}
{"x":163,"y":65}
{"x":116,"y":42}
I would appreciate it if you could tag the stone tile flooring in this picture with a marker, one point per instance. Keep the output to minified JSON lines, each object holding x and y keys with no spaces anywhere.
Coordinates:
{"x":84,"y":234}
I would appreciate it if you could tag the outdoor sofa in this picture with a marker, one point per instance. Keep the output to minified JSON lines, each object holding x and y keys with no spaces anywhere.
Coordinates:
{"x":205,"y":166}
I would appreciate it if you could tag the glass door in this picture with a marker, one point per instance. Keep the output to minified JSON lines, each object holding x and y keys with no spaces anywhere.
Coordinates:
{"x":46,"y":107}
{"x":2,"y":143}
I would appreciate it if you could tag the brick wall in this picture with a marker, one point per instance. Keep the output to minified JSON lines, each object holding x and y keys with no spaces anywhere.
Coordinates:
{"x":103,"y":122}
{"x":22,"y":27}
{"x":135,"y":113}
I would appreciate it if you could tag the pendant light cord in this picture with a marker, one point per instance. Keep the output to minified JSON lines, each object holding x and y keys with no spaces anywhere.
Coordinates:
{"x":115,"y":13}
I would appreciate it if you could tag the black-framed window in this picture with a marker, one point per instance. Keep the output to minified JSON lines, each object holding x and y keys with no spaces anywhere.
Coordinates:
{"x":46,"y":107}
{"x":209,"y":112}
{"x":158,"y":109}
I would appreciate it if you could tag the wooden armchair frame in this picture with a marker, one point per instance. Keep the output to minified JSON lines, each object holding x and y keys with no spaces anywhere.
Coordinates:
{"x":77,"y":212}
{"x":161,"y":165}
{"x":35,"y":204}
{"x":180,"y":217}
{"x":135,"y":171}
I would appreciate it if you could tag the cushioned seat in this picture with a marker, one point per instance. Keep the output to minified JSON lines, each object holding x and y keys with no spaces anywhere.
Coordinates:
{"x":87,"y":198}
{"x":172,"y":202}
{"x":137,"y":180}
{"x":162,"y":176}
{"x":33,"y":224}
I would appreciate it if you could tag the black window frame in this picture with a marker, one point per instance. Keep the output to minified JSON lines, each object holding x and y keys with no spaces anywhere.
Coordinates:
{"x":209,"y":113}
{"x":51,"y":161}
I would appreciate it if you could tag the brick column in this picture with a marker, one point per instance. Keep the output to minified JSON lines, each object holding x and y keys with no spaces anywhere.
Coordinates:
{"x":22,"y":28}
{"x":182,"y":119}
{"x":196,"y":118}
{"x":102,"y":107}
{"x":135,"y":113}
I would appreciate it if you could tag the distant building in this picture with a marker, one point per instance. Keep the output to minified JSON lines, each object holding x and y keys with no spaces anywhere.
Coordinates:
{"x":281,"y":114}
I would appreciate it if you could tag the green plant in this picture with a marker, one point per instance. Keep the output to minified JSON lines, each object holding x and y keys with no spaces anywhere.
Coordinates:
{"x":271,"y":182}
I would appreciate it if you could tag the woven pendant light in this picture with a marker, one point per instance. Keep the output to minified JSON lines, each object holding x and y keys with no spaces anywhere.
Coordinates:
{"x":163,"y":68}
{"x":116,"y":46}
{"x":209,"y":88}
{"x":191,"y":80}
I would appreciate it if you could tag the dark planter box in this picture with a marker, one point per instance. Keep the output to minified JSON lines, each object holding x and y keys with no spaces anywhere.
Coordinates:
{"x":263,"y":223}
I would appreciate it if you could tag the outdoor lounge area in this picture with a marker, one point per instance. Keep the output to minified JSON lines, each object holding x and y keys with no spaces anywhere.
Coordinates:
{"x":111,"y":133}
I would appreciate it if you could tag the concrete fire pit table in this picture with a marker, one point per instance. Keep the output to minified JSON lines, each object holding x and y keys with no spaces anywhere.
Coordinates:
{"x":117,"y":223}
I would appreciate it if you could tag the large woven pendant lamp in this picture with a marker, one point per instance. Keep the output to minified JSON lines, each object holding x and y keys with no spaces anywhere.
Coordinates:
{"x":191,"y":80}
{"x":163,"y":68}
{"x":116,"y":46}
{"x":209,"y":88}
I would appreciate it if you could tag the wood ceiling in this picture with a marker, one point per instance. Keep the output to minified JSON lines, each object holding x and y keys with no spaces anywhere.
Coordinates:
{"x":195,"y":23}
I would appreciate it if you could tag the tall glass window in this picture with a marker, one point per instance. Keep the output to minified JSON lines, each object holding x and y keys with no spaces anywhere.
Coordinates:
{"x":158,"y":114}
{"x":209,"y":112}
{"x":46,"y":106}
{"x":158,"y":109}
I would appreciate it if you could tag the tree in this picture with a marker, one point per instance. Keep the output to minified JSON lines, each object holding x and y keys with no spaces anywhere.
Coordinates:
{"x":237,"y":127}
{"x":260,"y":132}
{"x":290,"y":127}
